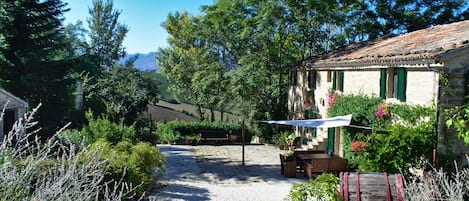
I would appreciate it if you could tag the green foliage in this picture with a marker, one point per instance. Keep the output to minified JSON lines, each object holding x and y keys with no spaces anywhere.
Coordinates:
{"x":106,"y":33}
{"x":31,"y":64}
{"x":103,"y":129}
{"x":123,"y":93}
{"x":51,"y":170}
{"x":323,"y":188}
{"x":402,"y":136}
{"x":132,"y":163}
{"x":397,"y":151}
{"x":71,"y":137}
{"x":459,"y":119}
{"x":190,"y":131}
{"x":362,"y":107}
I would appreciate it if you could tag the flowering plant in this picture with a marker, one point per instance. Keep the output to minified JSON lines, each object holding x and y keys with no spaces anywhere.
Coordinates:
{"x":381,"y":111}
{"x":331,"y":99}
{"x":357,"y":146}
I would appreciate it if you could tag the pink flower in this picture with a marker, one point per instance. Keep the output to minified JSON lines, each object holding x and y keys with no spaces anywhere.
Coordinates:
{"x":357,"y":146}
{"x":381,"y":111}
{"x":331,"y":99}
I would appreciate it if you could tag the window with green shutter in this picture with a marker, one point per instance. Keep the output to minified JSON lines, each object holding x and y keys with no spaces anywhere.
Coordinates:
{"x":334,"y":81}
{"x":393,"y":83}
{"x":293,"y":77}
{"x":401,"y":84}
{"x":383,"y":83}
{"x":338,"y":80}
{"x":330,"y":140}
{"x":312,"y":80}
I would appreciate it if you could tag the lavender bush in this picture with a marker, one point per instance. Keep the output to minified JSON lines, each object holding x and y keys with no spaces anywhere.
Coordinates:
{"x":34,"y":170}
{"x":439,"y":185}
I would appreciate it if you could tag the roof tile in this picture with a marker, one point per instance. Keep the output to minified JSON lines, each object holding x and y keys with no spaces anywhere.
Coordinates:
{"x":422,"y":44}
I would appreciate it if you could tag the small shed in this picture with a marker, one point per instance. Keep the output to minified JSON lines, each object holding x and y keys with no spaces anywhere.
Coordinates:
{"x":13,"y":107}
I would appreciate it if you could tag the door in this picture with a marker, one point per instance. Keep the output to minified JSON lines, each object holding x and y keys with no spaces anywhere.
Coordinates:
{"x":330,"y":140}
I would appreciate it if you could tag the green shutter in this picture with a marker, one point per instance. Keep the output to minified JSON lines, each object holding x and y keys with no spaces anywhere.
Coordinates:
{"x":382,"y":84}
{"x":312,"y":79}
{"x":334,"y":83}
{"x":295,"y":78}
{"x":401,"y":84}
{"x":330,"y":140}
{"x":341,"y":80}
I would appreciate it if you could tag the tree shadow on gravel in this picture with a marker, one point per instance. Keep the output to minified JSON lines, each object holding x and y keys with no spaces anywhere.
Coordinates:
{"x":223,"y":169}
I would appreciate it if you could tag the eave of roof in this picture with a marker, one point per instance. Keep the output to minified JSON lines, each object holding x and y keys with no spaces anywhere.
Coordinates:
{"x":419,"y":47}
{"x":10,"y":95}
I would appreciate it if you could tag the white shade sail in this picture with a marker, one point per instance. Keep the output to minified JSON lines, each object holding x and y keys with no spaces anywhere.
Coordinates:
{"x":316,"y":123}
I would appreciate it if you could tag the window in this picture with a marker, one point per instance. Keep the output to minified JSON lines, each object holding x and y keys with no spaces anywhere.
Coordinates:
{"x":312,"y":80}
{"x":293,"y":77}
{"x":329,"y":76}
{"x":338,"y":80}
{"x":393,"y":83}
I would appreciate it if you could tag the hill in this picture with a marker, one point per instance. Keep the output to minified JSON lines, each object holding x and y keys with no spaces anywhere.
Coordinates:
{"x":144,"y":62}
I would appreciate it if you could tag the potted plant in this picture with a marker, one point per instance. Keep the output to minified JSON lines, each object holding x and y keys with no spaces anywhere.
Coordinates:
{"x":290,"y":164}
{"x":290,"y":140}
{"x":290,"y":156}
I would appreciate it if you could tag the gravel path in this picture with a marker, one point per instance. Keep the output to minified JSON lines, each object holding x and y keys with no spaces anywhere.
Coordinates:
{"x":207,"y":172}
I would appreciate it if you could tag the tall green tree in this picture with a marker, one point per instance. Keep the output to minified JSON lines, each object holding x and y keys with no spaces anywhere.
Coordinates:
{"x":123,"y":93}
{"x":32,"y":40}
{"x":370,"y":19}
{"x":106,"y":33}
{"x":186,"y":60}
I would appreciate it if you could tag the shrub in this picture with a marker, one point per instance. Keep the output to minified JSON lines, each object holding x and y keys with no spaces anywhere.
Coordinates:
{"x":30,"y":170}
{"x":132,"y":163}
{"x":438,"y":185}
{"x":103,"y":128}
{"x":187,"y":131}
{"x":323,"y":188}
{"x":71,"y":137}
{"x":398,"y":150}
{"x":402,"y":134}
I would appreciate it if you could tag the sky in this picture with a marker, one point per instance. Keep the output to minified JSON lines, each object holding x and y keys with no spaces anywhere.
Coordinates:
{"x":142,"y":17}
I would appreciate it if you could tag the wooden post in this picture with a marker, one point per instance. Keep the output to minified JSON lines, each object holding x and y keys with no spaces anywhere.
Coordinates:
{"x":243,"y":135}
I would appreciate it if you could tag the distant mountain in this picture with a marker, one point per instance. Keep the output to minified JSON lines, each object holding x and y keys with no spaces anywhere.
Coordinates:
{"x":144,"y":61}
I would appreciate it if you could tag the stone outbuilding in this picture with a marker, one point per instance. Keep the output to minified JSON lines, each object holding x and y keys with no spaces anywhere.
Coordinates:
{"x":14,"y":108}
{"x":405,"y":68}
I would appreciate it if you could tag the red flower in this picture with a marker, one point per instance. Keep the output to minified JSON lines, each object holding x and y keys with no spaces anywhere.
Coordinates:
{"x":357,"y":146}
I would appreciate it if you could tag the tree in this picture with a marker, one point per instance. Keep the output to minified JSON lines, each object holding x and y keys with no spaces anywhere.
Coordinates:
{"x":106,"y":33}
{"x":123,"y":93}
{"x":33,"y":69}
{"x":186,"y":59}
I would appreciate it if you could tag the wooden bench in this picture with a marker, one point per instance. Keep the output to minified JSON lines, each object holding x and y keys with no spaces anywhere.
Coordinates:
{"x":216,"y":135}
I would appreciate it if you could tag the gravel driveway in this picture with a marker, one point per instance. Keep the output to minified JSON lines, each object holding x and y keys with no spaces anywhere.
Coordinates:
{"x":210,"y":172}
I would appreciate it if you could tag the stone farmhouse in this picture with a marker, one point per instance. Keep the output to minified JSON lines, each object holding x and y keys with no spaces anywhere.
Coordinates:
{"x":14,"y":108}
{"x":404,"y":68}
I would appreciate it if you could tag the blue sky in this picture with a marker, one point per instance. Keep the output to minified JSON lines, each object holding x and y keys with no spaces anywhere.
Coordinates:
{"x":143,"y":17}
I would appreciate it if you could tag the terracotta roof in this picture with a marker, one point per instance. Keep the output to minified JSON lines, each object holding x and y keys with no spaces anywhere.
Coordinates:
{"x":425,"y":44}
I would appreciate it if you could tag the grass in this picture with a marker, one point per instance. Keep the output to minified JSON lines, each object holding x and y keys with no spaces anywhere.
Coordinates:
{"x":192,"y":109}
